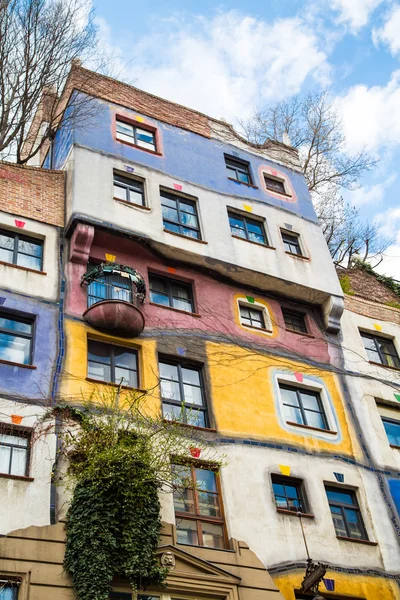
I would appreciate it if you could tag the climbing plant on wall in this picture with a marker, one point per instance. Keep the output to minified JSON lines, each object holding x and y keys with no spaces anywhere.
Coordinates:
{"x":117,"y":461}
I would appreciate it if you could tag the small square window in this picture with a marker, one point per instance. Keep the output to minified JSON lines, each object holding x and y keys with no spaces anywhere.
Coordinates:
{"x":252,"y":317}
{"x":275,"y":185}
{"x":16,"y":337}
{"x":303,"y":407}
{"x":346,"y":513}
{"x":14,"y":452}
{"x":138,"y":136}
{"x":182,"y":393}
{"x":291,"y":243}
{"x":294,"y":321}
{"x":128,"y":189}
{"x":170,"y":292}
{"x":112,"y":364}
{"x":21,"y":250}
{"x":238,"y":170}
{"x":392,"y":429}
{"x":380,"y":350}
{"x":288,"y":493}
{"x":180,"y":215}
{"x":246,"y":228}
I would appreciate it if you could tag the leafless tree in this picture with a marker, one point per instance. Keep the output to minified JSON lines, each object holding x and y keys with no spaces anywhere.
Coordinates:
{"x":312,"y":125}
{"x":38,"y":41}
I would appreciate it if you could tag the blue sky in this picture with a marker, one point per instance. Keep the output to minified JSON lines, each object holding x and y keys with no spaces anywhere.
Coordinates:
{"x":224,"y":59}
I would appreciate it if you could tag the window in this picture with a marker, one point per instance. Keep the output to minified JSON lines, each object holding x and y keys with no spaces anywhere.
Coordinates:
{"x":346,"y":513}
{"x":138,"y":136}
{"x":16,"y":335}
{"x":238,"y":170}
{"x":180,"y":215}
{"x":392,"y":429}
{"x":294,"y":321}
{"x":129,"y":189}
{"x":112,"y":364}
{"x":380,"y":350}
{"x":303,"y":407}
{"x":122,"y":596}
{"x":288,"y":493}
{"x":275,"y":185}
{"x":169,"y":292}
{"x":291,"y":243}
{"x":8,"y":590}
{"x":21,"y":250}
{"x":14,"y":453}
{"x":252,"y":317}
{"x":198,"y":511}
{"x":111,"y":286}
{"x":182,"y":393}
{"x":248,"y":229}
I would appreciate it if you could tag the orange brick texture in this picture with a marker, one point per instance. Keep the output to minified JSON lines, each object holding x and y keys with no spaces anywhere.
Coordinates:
{"x":33,"y":193}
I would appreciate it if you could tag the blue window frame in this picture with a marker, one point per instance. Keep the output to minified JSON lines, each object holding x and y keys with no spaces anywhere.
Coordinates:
{"x":392,"y":429}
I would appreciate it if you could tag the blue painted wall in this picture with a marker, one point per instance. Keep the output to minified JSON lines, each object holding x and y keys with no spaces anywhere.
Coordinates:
{"x":32,"y":383}
{"x":394,"y":486}
{"x":186,"y":156}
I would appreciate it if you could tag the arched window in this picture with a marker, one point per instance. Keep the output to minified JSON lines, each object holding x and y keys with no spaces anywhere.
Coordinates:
{"x":111,"y":281}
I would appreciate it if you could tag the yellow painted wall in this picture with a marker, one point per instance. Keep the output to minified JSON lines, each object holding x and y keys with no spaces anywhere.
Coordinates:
{"x":355,"y":586}
{"x":244,"y":404}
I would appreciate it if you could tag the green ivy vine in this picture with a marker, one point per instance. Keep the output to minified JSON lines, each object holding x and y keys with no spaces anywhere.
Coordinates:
{"x":389,"y":282}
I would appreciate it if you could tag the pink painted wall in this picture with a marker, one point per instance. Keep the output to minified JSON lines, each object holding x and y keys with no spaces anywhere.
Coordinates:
{"x":215,"y":302}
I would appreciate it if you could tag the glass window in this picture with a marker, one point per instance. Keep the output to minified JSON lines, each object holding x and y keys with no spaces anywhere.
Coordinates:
{"x":21,"y":250}
{"x":276,"y":185}
{"x":129,"y":189}
{"x":303,"y":407}
{"x":170,"y":292}
{"x":14,"y":452}
{"x":8,"y":591}
{"x":180,"y":215}
{"x":16,"y":336}
{"x":248,"y":229}
{"x":291,"y":243}
{"x":238,"y":170}
{"x":252,"y":317}
{"x":197,"y":502}
{"x":288,"y":493}
{"x":182,"y":393}
{"x":346,"y":513}
{"x":111,"y":286}
{"x":294,"y":321}
{"x":392,"y":429}
{"x":136,"y":135}
{"x":380,"y":350}
{"x":112,"y":364}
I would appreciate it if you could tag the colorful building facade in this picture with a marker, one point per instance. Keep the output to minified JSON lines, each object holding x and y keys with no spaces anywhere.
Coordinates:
{"x":194,"y":269}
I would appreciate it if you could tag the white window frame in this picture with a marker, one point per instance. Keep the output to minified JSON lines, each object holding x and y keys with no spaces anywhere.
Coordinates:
{"x":242,"y":301}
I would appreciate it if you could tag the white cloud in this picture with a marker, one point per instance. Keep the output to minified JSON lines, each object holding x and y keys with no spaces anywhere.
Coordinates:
{"x":371,"y":115}
{"x":225,"y":65}
{"x":389,"y":226}
{"x":371,"y":194}
{"x":389,"y":33}
{"x":354,"y":13}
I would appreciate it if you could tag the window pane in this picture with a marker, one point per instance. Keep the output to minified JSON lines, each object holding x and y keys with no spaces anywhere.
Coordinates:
{"x":315,"y":419}
{"x":354,"y":524}
{"x":159,"y":298}
{"x":124,"y":358}
{"x":289,"y":397}
{"x":18,"y":461}
{"x":15,"y":440}
{"x":168,"y":371}
{"x":243,"y":177}
{"x":274,"y":184}
{"x":279,"y":489}
{"x":170,"y":213}
{"x":5,"y":453}
{"x":256,"y":237}
{"x":120,"y":192}
{"x":213,"y":535}
{"x":124,"y":128}
{"x":145,"y":138}
{"x":190,"y":376}
{"x":168,"y":201}
{"x":187,"y":207}
{"x":338,"y":521}
{"x":29,"y":262}
{"x":186,"y":532}
{"x":172,"y":227}
{"x":98,"y":352}
{"x":127,"y":377}
{"x":6,"y":241}
{"x":184,"y":500}
{"x":206,"y":480}
{"x":192,"y":395}
{"x":158,"y":285}
{"x":195,"y":417}
{"x":281,"y":502}
{"x":14,"y":325}
{"x":291,"y":491}
{"x":190,"y":233}
{"x":170,"y":390}
{"x":7,"y":593}
{"x":182,"y":304}
{"x":392,"y":432}
{"x":6,"y":256}
{"x":99,"y":371}
{"x":190,"y":220}
{"x":309,"y":400}
{"x":209,"y":504}
{"x":293,"y":414}
{"x":15,"y":349}
{"x":30,"y":247}
{"x":172,"y":412}
{"x":340,"y":497}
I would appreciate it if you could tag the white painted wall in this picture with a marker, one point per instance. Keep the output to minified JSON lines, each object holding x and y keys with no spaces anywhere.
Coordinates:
{"x":28,"y":282}
{"x":23,"y":502}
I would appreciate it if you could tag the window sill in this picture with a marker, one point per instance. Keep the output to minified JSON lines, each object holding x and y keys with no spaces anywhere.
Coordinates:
{"x":394,"y":446}
{"x":132,"y":204}
{"x":284,"y":194}
{"x":254,"y":328}
{"x":309,"y":335}
{"x":255,"y":187}
{"x":16,"y":477}
{"x":206,"y":547}
{"x":186,"y":237}
{"x":311,"y":428}
{"x":237,"y":237}
{"x":178,"y":310}
{"x":22,"y":268}
{"x":371,"y":362}
{"x":285,"y":511}
{"x":116,"y":385}
{"x":297,"y":255}
{"x":14,"y":364}
{"x":196,"y":427}
{"x":356,"y":540}
{"x":138,"y":147}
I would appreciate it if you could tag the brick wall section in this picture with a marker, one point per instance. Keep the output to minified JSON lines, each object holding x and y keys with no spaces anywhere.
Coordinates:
{"x":367,"y":286}
{"x":372,"y":309}
{"x":33,"y":193}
